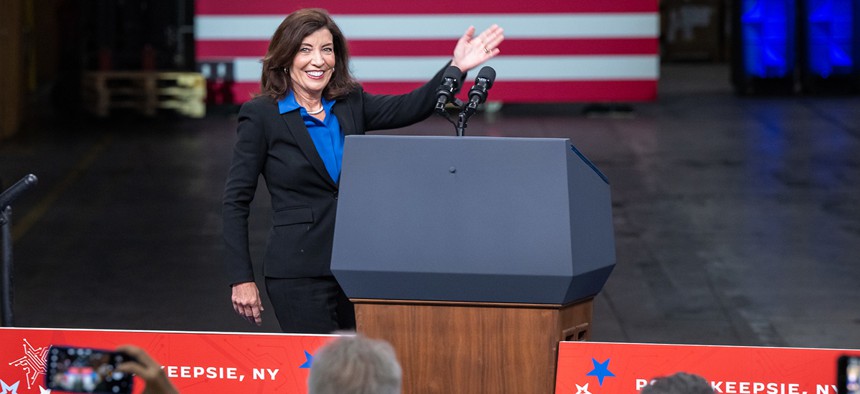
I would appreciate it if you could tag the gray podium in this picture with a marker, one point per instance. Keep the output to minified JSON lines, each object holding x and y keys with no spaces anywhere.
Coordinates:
{"x":473,"y":256}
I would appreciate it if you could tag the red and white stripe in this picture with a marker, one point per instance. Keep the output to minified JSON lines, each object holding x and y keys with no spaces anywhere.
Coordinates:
{"x":560,"y":50}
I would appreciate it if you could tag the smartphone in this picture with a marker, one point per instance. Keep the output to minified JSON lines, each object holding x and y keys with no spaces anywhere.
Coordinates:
{"x":848,"y":374}
{"x":86,"y":370}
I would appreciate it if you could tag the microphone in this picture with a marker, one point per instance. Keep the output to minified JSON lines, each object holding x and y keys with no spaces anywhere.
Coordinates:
{"x":15,"y":190}
{"x":450,"y":86}
{"x":483,"y":83}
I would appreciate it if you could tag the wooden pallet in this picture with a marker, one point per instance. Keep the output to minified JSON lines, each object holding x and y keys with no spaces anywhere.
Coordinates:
{"x":145,"y":92}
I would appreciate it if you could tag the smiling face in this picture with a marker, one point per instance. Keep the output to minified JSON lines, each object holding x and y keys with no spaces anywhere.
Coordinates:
{"x":313,"y":64}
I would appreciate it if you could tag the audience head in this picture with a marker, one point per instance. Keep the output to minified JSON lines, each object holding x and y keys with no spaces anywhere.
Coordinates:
{"x":355,"y":364}
{"x":679,"y":383}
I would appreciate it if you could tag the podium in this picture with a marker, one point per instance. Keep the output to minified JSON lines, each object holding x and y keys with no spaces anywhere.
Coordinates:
{"x":472,"y":256}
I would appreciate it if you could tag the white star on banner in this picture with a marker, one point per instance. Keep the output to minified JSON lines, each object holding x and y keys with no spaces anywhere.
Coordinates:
{"x":582,"y":389}
{"x":9,"y":389}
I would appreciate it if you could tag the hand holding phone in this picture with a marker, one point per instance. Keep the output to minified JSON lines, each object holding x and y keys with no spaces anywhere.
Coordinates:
{"x":87,"y":370}
{"x":147,"y":369}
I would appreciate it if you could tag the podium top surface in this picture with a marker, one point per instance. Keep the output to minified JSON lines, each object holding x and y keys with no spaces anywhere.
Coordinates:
{"x":465,"y":142}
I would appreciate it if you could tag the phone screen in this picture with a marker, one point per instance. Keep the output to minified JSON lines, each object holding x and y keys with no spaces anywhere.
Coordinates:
{"x":85,"y":370}
{"x":849,"y":374}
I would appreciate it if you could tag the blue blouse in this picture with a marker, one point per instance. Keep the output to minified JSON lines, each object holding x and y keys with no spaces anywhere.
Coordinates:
{"x":325,"y":133}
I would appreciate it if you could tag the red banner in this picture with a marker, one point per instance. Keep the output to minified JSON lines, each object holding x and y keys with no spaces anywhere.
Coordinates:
{"x":607,"y":368}
{"x":199,"y":362}
{"x":196,"y":362}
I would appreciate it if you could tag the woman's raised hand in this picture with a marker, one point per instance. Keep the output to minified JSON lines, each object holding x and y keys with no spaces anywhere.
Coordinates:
{"x":473,"y":50}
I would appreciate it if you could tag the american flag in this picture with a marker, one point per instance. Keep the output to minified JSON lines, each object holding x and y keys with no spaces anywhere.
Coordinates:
{"x":554,"y":50}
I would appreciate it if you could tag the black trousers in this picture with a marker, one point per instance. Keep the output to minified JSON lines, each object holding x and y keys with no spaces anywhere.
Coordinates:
{"x":310,"y":305}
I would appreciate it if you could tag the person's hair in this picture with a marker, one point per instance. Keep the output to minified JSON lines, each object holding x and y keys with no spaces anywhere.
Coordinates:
{"x":285,"y":44}
{"x":679,"y":383}
{"x":355,"y":365}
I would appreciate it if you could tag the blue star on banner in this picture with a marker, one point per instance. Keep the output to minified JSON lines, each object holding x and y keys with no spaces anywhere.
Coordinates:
{"x":601,"y":370}
{"x":308,"y":360}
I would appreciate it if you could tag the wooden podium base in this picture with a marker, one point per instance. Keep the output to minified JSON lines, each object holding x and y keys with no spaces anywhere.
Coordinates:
{"x":458,"y":347}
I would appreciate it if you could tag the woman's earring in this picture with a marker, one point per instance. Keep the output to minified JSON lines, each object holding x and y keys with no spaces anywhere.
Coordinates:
{"x":285,"y":69}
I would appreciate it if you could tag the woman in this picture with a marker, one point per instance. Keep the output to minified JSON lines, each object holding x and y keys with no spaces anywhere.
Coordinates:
{"x":293,"y":135}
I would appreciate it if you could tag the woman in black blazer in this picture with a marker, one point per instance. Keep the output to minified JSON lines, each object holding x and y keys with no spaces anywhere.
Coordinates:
{"x":292,"y":134}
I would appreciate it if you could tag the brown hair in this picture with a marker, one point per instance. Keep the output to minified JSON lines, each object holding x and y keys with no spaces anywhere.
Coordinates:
{"x":285,"y":45}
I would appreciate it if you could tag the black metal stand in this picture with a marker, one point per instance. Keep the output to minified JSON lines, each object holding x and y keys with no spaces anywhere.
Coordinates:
{"x":6,"y":199}
{"x":466,"y":112}
{"x":462,"y":119}
{"x":6,"y":270}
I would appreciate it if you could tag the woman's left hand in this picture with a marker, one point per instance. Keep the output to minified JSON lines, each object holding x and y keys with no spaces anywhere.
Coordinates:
{"x":472,"y":51}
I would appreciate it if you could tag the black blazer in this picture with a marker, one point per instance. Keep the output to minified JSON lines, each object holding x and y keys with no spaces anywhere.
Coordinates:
{"x":304,"y":197}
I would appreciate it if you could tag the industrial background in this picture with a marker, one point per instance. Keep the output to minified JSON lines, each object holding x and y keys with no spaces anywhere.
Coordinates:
{"x":728,"y":131}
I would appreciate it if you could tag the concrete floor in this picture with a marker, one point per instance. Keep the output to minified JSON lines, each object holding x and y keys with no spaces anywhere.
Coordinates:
{"x":737,"y":219}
